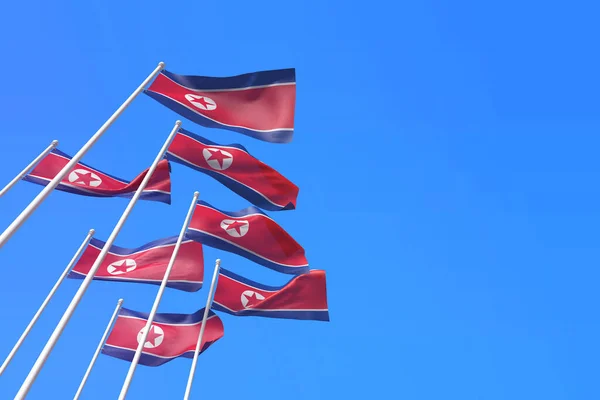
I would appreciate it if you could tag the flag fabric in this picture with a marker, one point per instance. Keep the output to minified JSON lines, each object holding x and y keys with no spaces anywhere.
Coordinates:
{"x":87,"y":181}
{"x":145,"y":264}
{"x":171,"y":336}
{"x":249,"y":233}
{"x":259,"y":104}
{"x":235,"y":168}
{"x":304,"y":297}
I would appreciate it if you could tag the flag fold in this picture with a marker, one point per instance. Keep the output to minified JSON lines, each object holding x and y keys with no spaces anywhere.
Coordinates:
{"x":235,"y":168}
{"x":145,"y":264}
{"x":87,"y":181}
{"x":304,"y":297}
{"x":171,"y":336}
{"x":249,"y":233}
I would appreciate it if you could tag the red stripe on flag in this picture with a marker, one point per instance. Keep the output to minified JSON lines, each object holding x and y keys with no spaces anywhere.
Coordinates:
{"x":263,"y":109}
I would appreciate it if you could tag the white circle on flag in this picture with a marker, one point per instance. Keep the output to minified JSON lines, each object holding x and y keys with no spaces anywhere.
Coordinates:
{"x":235,"y":228}
{"x":155,"y":336}
{"x":217,"y":159}
{"x":250,"y":295}
{"x":201,"y":102}
{"x":121,"y":267}
{"x":84,"y":177}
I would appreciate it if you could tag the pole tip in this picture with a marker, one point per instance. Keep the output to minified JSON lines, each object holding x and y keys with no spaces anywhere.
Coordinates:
{"x":54,"y":143}
{"x":196,"y":194}
{"x":161,"y":64}
{"x":178,"y":123}
{"x":218,"y":261}
{"x":120,"y":301}
{"x":92,"y":231}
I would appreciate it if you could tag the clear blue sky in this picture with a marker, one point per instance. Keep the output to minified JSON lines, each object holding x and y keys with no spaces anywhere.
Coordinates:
{"x":446,"y":154}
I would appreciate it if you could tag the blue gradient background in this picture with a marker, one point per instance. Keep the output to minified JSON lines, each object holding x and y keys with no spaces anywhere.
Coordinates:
{"x":446,"y":153}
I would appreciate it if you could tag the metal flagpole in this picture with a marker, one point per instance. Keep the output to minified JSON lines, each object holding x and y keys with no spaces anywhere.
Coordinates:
{"x":35,"y":370}
{"x":188,"y":388}
{"x":161,"y":289}
{"x":45,"y":303}
{"x":31,"y":207}
{"x":28,"y":168}
{"x":98,"y":349}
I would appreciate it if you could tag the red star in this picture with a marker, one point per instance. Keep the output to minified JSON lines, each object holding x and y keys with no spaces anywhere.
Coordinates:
{"x":201,"y":101}
{"x":252,"y":300}
{"x":121,"y":268}
{"x":84,"y":178}
{"x":235,"y":225}
{"x":152,"y":335}
{"x":217,"y":155}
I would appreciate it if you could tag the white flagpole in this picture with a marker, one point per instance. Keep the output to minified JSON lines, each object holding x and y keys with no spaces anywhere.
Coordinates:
{"x":45,"y":303}
{"x":98,"y":349}
{"x":35,"y":370}
{"x":161,"y":289}
{"x":28,"y":168}
{"x":31,"y":207}
{"x":188,"y":388}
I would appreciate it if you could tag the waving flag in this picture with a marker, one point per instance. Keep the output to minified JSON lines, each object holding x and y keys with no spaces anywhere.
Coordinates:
{"x":170,"y":336}
{"x":249,"y":233}
{"x":235,"y":168}
{"x":88,"y":181}
{"x":145,"y":264}
{"x":259,"y":104}
{"x":304,"y":297}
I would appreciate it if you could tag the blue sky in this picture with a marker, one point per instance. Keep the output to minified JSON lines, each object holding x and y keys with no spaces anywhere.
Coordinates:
{"x":446,"y":154}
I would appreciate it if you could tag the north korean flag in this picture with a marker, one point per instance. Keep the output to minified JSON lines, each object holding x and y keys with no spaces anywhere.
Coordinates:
{"x":249,"y":233}
{"x":88,"y":181}
{"x":304,"y":297}
{"x":145,"y":264}
{"x":171,"y":336}
{"x":259,"y":104}
{"x":235,"y":168}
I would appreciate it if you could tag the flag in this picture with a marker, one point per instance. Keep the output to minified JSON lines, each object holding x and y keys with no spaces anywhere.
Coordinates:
{"x":249,"y":233}
{"x":235,"y":168}
{"x":304,"y":297}
{"x":145,"y":264}
{"x":259,"y":104}
{"x":171,"y":336}
{"x":88,"y":181}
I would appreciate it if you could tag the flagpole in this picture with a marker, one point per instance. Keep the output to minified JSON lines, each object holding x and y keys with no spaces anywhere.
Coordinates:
{"x":98,"y":349}
{"x":35,"y":370}
{"x":31,"y":207}
{"x":28,"y":168}
{"x":188,"y":388}
{"x":45,"y":303}
{"x":161,"y":289}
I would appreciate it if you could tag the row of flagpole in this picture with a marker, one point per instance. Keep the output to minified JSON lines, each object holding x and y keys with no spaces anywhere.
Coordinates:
{"x":134,"y":362}
{"x":35,"y":203}
{"x":35,"y":370}
{"x":115,"y":313}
